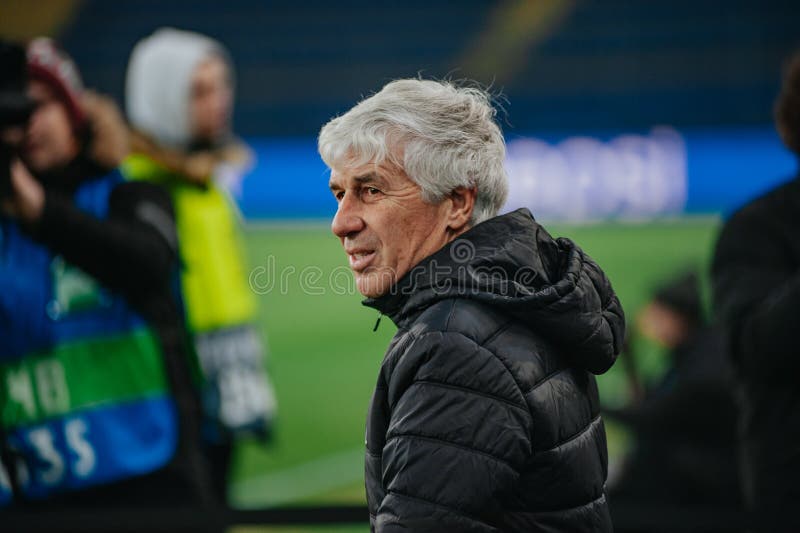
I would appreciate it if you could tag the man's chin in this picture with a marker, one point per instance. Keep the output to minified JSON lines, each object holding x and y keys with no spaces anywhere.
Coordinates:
{"x":373,"y":284}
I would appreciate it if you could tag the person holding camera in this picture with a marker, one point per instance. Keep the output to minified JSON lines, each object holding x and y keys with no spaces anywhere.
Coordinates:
{"x":98,"y":408}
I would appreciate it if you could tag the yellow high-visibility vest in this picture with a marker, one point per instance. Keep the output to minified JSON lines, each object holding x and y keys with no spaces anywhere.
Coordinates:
{"x":214,"y":273}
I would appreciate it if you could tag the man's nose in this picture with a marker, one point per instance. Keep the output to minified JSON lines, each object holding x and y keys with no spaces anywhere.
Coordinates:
{"x":347,"y":219}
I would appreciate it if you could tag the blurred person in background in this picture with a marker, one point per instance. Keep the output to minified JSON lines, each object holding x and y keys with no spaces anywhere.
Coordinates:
{"x":98,"y":408}
{"x":684,"y":426}
{"x":179,"y":100}
{"x":756,"y":290}
{"x":485,"y":416}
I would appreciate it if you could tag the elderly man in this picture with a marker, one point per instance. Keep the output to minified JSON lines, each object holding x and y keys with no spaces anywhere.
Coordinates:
{"x":485,"y":415}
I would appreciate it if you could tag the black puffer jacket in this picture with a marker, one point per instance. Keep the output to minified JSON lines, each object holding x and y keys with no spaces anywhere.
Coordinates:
{"x":756,"y":280}
{"x":485,"y":416}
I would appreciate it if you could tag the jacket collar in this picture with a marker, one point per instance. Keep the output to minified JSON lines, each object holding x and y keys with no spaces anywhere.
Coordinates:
{"x":450,"y":272}
{"x":511,"y":265}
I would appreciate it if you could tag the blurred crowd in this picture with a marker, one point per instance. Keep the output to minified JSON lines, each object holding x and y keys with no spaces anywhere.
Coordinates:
{"x":130,"y":362}
{"x":720,"y":430}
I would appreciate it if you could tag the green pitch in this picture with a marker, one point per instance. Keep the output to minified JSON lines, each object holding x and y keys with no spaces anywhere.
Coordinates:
{"x":324,"y":356}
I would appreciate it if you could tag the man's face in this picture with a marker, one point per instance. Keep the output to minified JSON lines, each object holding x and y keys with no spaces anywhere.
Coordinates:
{"x":211,"y":100}
{"x":383,"y":224}
{"x":50,"y":142}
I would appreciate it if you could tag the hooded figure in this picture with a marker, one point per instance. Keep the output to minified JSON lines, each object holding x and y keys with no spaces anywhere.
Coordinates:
{"x":160,"y":92}
{"x":159,"y":82}
{"x":179,"y":96}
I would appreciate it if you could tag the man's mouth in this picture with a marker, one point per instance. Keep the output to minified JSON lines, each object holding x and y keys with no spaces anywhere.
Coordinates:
{"x":360,"y":259}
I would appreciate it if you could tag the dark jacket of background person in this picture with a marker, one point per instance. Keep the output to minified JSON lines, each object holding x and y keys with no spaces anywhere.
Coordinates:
{"x":485,"y":416}
{"x":756,"y":274}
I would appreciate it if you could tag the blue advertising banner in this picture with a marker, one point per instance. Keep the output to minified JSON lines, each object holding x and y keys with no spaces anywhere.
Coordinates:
{"x":565,"y":177}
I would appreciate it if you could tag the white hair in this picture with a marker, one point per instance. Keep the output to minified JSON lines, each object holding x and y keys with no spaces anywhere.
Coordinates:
{"x":443,"y":137}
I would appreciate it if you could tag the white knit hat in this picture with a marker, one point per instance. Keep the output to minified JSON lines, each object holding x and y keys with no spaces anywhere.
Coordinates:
{"x":158,"y":83}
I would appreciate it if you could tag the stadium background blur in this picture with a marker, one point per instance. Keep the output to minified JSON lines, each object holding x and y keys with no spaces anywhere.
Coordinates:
{"x":632,"y":127}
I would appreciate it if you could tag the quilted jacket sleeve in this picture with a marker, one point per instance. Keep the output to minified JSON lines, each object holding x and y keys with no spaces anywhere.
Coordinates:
{"x":458,"y":435}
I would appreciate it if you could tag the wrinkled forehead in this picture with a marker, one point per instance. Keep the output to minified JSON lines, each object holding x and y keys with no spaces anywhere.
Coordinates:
{"x":346,"y":171}
{"x":353,"y":172}
{"x":387,"y":156}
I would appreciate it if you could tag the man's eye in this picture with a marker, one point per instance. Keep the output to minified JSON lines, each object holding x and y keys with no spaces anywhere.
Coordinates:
{"x":339,"y":195}
{"x":372,"y":191}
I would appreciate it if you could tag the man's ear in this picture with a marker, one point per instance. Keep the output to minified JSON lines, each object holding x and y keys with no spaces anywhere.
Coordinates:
{"x":462,"y":202}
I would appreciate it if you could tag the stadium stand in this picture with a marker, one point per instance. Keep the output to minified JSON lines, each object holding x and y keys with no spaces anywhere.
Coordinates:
{"x":617,"y":64}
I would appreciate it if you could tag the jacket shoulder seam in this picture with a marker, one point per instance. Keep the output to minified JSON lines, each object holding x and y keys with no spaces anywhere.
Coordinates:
{"x":469,"y":390}
{"x":545,"y":379}
{"x":452,"y":445}
{"x":574,"y":436}
{"x":500,"y":330}
{"x":598,"y":500}
{"x":436,"y":504}
{"x":503,"y":326}
{"x":450,"y":315}
{"x":481,"y":345}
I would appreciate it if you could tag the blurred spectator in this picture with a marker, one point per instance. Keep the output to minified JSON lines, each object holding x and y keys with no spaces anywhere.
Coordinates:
{"x":179,"y":98}
{"x":93,"y":361}
{"x":756,"y":275}
{"x":684,"y":427}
